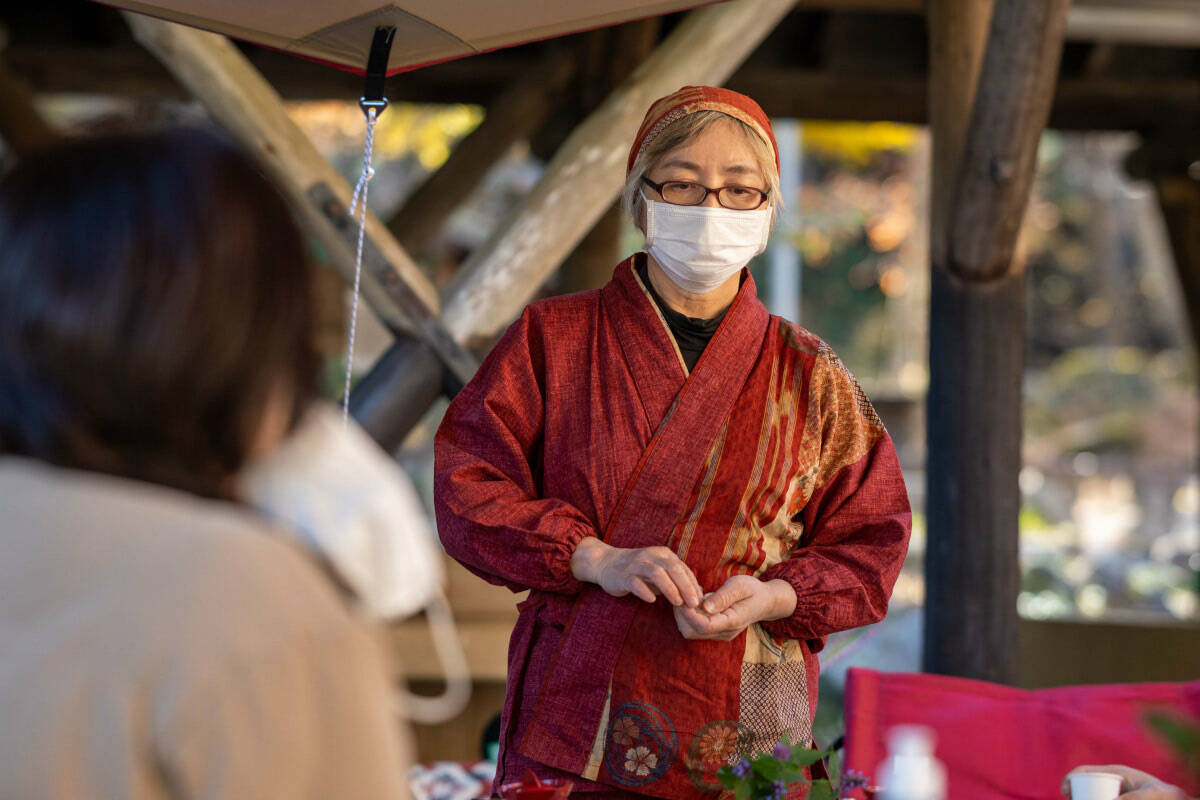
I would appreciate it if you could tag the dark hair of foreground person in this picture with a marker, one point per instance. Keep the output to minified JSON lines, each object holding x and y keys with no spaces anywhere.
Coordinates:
{"x":154,"y":303}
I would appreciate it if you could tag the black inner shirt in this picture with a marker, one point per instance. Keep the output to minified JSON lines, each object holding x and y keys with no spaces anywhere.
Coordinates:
{"x":691,"y":334}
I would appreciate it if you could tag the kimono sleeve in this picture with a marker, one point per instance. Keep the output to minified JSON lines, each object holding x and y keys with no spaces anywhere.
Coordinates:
{"x":490,"y":515}
{"x":856,"y":521}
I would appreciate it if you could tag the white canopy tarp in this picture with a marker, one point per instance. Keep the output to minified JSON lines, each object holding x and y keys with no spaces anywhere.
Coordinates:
{"x":339,"y":32}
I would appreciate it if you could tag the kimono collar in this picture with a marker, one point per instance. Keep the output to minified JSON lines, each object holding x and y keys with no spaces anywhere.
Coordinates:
{"x":649,"y":347}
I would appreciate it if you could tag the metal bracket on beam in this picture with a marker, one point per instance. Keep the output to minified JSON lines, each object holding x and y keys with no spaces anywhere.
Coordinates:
{"x":426,"y":326}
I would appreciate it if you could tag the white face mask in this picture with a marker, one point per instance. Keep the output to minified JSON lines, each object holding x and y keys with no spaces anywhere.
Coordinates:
{"x":700,"y":247}
{"x":351,"y":505}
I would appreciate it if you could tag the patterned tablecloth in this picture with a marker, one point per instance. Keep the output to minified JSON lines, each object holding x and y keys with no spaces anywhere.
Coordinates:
{"x":452,"y":780}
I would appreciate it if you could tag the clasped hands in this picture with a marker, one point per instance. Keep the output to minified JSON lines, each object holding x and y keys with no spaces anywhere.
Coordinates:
{"x":652,"y":572}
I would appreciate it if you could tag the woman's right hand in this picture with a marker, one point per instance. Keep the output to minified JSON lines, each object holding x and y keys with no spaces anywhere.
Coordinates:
{"x":645,"y":572}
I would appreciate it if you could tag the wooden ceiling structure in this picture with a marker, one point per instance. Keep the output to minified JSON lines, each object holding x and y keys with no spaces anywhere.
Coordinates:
{"x":1126,"y":65}
{"x":987,"y":76}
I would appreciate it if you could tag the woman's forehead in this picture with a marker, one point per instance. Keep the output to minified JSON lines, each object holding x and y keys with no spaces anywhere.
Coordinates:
{"x":727,"y":163}
{"x":718,"y":146}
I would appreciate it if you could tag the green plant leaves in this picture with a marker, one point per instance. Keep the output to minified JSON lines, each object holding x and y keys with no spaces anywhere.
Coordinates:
{"x":821,"y":790}
{"x":1182,"y":735}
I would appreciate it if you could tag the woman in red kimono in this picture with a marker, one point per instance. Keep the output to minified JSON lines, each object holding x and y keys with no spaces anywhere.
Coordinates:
{"x":695,"y":493}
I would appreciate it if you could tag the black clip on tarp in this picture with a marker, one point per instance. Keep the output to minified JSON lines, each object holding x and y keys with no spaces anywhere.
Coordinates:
{"x":377,"y":66}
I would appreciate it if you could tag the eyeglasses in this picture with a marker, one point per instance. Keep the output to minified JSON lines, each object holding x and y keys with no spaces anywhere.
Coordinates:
{"x":687,"y":193}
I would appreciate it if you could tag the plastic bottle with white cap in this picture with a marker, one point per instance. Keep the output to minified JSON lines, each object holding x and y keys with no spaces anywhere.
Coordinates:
{"x":911,"y":771}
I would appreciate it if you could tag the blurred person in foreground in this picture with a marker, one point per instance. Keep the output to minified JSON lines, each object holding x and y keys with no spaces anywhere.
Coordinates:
{"x":158,"y":638}
{"x":1135,"y":784}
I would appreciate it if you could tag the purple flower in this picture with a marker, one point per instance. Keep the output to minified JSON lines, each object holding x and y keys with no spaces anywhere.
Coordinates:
{"x":742,"y":768}
{"x":854,"y":779}
{"x":779,"y":790}
{"x":781,"y":751}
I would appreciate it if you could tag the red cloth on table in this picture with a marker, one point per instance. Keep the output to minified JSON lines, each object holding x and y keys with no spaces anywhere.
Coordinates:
{"x":766,"y":460}
{"x":999,"y":742}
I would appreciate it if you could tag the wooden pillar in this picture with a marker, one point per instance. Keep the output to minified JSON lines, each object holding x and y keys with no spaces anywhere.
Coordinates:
{"x":992,"y":75}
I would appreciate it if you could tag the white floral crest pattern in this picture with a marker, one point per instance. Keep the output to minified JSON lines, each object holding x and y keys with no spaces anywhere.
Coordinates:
{"x":640,"y":761}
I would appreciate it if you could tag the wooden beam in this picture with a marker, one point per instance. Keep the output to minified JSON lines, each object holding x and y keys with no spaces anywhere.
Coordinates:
{"x":586,"y":174}
{"x":242,"y":101}
{"x":510,"y":118}
{"x":400,"y":387}
{"x":1012,"y":103}
{"x":1157,"y":23}
{"x":22,"y":125}
{"x":1080,"y":104}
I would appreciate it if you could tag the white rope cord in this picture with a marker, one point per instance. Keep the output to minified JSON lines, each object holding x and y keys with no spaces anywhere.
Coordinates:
{"x":360,"y":202}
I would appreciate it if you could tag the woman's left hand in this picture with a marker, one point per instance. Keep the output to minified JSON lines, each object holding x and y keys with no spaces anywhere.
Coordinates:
{"x":742,"y":601}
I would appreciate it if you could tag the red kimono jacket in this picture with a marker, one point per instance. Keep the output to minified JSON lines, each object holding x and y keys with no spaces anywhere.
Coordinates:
{"x":766,"y":460}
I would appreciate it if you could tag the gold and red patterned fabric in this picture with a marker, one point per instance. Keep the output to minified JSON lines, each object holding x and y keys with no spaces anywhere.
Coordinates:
{"x":766,"y":460}
{"x":691,"y":99}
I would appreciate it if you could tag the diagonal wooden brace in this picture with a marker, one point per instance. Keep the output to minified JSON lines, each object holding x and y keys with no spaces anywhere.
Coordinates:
{"x":241,"y":100}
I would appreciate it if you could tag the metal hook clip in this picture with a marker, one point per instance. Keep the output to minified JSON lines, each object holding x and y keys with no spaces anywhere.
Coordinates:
{"x":378,"y":105}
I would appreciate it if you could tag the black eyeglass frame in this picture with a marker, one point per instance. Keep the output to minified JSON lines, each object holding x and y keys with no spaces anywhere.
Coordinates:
{"x":707,"y":191}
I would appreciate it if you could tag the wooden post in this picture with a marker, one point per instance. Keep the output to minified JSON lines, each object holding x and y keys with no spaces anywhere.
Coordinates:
{"x":981,"y":181}
{"x":514,"y":115}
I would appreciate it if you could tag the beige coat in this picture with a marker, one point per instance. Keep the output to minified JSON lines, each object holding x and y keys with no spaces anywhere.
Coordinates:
{"x":156,"y":645}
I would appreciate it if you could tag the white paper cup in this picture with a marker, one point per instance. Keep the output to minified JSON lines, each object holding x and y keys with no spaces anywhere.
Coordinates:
{"x":1094,"y":785}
